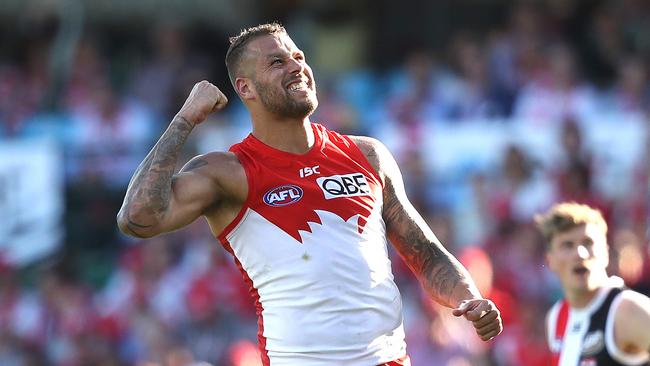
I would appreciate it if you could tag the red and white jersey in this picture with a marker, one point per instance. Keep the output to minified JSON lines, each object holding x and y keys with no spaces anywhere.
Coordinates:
{"x":311,"y":242}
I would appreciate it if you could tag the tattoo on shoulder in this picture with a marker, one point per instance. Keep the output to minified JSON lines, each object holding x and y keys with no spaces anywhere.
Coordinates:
{"x":194,"y":164}
{"x":370,"y":151}
{"x":372,"y":155}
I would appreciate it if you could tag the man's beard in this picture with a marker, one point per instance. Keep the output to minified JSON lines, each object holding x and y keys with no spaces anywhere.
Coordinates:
{"x":281,"y":104}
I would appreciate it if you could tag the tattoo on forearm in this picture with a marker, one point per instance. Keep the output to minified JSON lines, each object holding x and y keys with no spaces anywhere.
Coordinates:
{"x":439,"y":272}
{"x":151,"y":183}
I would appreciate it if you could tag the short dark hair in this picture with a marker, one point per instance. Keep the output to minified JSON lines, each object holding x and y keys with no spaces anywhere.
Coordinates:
{"x":238,"y":45}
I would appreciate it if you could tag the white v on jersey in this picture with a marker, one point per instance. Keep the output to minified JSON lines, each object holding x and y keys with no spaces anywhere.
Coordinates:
{"x":313,"y":249}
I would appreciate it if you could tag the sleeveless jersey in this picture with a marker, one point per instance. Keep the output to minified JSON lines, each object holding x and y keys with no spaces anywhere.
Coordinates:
{"x":585,"y":337}
{"x":311,"y":243}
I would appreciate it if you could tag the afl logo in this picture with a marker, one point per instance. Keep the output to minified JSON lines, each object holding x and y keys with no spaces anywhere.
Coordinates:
{"x":283,"y":195}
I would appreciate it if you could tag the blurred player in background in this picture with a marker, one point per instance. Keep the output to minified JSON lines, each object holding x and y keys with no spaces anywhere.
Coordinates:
{"x":599,"y":322}
{"x":306,"y":213}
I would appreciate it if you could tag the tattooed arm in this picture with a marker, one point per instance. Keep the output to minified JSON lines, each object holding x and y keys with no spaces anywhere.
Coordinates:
{"x":157,"y":200}
{"x":440,"y":273}
{"x":442,"y":276}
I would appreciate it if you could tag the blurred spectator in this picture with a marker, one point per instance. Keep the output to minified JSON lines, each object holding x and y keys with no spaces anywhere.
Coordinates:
{"x":157,"y":80}
{"x":23,"y":88}
{"x":335,"y":113}
{"x":419,"y":93}
{"x":520,"y":189}
{"x":523,"y":341}
{"x":111,"y":135}
{"x":631,"y":92}
{"x":556,"y":93}
{"x":243,"y":353}
{"x":21,"y":320}
{"x":574,"y":171}
{"x":631,"y":259}
{"x":476,"y":95}
{"x":68,"y":315}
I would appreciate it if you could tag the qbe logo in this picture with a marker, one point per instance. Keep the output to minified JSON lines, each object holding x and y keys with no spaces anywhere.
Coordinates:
{"x":345,"y":185}
{"x":283,"y":195}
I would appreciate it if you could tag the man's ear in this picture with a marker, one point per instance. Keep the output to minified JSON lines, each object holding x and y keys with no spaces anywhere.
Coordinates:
{"x":549,"y":260}
{"x":245,"y":88}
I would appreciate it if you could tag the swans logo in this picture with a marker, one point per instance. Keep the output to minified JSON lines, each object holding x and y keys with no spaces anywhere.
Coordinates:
{"x":283,"y":195}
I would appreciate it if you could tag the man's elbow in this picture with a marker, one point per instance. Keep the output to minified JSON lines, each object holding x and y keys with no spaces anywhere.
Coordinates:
{"x":131,"y":228}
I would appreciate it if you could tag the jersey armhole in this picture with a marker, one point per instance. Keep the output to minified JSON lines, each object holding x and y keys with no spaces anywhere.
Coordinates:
{"x":612,"y":348}
{"x":247,"y":203}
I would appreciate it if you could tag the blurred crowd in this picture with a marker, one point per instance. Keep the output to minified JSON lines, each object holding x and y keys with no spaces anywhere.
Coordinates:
{"x":490,"y":125}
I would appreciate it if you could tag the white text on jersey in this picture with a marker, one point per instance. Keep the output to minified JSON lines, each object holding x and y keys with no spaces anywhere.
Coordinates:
{"x":305,"y":172}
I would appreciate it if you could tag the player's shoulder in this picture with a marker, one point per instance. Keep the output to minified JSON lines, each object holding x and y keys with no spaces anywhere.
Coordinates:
{"x":632,"y":320}
{"x":367,"y":143}
{"x":632,"y":309}
{"x":215,"y":158}
{"x":227,"y":158}
{"x":632,"y":304}
{"x":222,"y":168}
{"x":374,"y":150}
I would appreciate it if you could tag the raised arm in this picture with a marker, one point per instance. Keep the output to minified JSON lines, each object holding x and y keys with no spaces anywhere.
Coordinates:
{"x":440,"y":273}
{"x":157,"y":200}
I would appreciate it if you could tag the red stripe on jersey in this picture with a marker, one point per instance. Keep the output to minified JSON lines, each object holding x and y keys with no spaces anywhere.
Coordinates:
{"x":258,"y":306}
{"x":560,"y":328}
{"x":404,"y":361}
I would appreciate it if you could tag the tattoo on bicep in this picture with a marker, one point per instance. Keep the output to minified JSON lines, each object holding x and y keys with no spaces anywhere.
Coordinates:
{"x":194,"y":164}
{"x":373,"y":158}
{"x":371,"y":154}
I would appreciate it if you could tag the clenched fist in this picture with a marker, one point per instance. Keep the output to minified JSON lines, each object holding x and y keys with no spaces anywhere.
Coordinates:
{"x":484,"y":315}
{"x":204,"y":99}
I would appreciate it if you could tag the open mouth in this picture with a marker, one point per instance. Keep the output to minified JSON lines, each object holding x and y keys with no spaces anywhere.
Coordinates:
{"x":298,"y":85}
{"x":580,"y":270}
